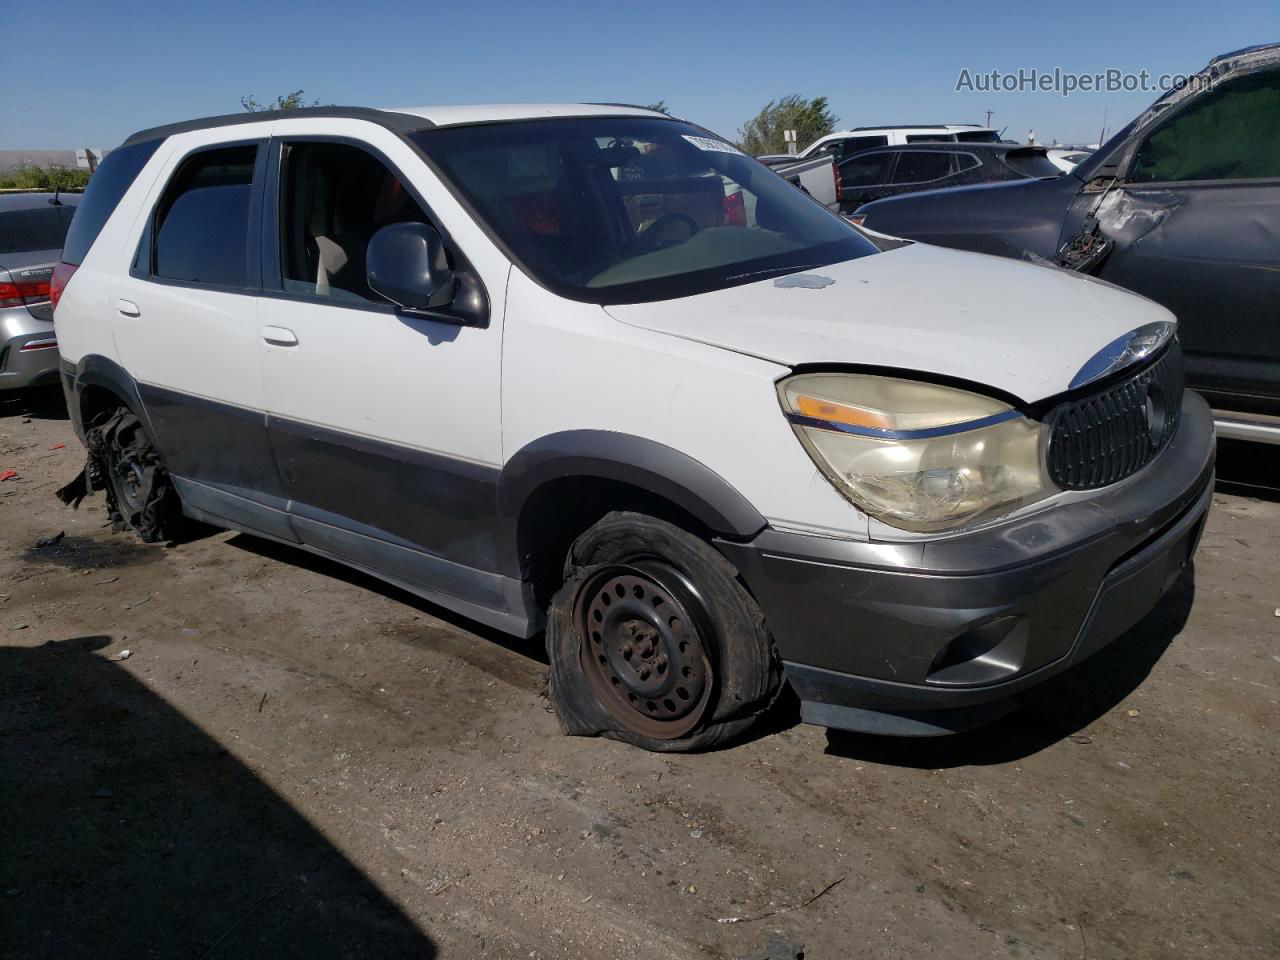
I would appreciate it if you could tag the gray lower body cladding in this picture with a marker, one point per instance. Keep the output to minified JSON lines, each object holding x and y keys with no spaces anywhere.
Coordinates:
{"x":922,"y":639}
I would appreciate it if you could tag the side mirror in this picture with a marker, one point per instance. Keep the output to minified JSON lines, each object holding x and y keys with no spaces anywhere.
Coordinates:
{"x":407,"y":264}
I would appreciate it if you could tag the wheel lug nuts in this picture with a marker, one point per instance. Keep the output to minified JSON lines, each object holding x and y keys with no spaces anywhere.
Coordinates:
{"x":644,"y":673}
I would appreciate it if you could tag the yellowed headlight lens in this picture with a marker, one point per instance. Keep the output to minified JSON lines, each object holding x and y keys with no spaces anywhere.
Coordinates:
{"x":932,"y":472}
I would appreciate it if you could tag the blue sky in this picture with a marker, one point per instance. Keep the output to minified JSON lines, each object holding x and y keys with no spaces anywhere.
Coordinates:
{"x":88,"y":72}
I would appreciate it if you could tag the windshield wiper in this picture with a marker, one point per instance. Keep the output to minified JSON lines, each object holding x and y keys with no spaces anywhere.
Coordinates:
{"x":763,"y":273}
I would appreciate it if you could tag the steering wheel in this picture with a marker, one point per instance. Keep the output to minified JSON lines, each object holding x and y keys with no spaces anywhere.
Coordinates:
{"x":651,"y":236}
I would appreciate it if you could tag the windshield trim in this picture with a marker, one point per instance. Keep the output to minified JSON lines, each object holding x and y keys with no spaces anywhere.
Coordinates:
{"x":672,"y":287}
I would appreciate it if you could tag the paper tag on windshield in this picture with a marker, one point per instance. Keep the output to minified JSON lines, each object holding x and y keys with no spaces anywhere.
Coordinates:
{"x":712,"y":145}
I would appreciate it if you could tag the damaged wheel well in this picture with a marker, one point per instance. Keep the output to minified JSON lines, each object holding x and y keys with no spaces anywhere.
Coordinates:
{"x":560,"y":511}
{"x":96,"y":401}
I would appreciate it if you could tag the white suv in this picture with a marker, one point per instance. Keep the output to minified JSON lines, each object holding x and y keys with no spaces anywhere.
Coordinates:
{"x":591,"y":369}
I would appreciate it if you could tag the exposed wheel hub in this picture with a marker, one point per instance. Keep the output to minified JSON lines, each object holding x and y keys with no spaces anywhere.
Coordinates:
{"x":642,"y":648}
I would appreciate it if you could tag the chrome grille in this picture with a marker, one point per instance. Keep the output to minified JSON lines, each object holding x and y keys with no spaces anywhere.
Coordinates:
{"x":1115,"y":432}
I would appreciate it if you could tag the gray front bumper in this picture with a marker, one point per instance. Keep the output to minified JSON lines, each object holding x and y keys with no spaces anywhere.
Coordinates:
{"x":36,"y":365}
{"x":925,"y":638}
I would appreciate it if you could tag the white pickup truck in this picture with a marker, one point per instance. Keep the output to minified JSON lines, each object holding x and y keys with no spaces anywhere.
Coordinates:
{"x":816,"y":176}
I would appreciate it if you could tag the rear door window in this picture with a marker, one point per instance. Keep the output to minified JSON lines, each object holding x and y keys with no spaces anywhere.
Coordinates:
{"x":866,"y":170}
{"x":1226,"y":134}
{"x":921,"y":166}
{"x":201,"y":225}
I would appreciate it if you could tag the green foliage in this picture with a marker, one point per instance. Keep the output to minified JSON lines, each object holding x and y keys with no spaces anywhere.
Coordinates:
{"x":660,"y":106}
{"x":289,"y":101}
{"x":36,"y":177}
{"x":810,"y":119}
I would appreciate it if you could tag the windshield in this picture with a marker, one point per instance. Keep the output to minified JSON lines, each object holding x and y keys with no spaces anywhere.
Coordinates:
{"x":630,"y":209}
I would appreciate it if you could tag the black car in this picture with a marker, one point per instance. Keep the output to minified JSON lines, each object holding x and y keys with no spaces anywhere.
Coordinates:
{"x":1182,"y":206}
{"x":888,"y":171}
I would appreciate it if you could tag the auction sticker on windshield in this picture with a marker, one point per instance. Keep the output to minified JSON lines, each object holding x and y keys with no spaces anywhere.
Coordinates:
{"x":713,"y":145}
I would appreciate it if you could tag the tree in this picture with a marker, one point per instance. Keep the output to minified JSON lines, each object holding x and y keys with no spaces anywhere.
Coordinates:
{"x":36,"y":177}
{"x":660,"y":106}
{"x":810,"y":119}
{"x":290,"y":101}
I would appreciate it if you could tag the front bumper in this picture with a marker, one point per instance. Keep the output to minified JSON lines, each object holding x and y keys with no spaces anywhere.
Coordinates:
{"x":28,"y":350}
{"x":925,"y":638}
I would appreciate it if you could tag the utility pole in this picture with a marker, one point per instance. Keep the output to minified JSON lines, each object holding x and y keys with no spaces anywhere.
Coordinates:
{"x":988,"y":118}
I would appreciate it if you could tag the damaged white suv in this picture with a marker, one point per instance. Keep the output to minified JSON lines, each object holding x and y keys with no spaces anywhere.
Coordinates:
{"x":590,"y":369}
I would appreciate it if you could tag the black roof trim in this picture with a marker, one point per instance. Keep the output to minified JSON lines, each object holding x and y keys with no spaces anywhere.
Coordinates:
{"x":399,"y":122}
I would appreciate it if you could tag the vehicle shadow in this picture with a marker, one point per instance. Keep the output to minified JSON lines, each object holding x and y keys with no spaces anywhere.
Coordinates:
{"x":1052,"y":711}
{"x":129,"y":832}
{"x":38,"y":403}
{"x":534,"y":648}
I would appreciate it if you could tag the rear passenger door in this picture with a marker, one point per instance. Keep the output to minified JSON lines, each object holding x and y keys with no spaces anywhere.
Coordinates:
{"x":385,"y":423}
{"x":184,"y":319}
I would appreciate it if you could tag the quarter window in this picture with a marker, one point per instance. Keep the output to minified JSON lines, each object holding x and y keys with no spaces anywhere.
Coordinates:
{"x":335,"y":197}
{"x":1227,"y":134}
{"x":866,"y":170}
{"x":110,"y":181}
{"x":201,"y":224}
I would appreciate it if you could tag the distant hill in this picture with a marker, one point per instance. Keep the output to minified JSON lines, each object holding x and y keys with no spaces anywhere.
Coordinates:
{"x":13,"y":159}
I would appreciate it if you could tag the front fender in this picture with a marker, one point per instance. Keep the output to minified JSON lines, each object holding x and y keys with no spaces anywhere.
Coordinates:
{"x":647,"y":464}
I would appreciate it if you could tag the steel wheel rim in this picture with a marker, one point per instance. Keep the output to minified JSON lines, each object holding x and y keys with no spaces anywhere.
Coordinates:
{"x":641,"y":635}
{"x":130,"y":477}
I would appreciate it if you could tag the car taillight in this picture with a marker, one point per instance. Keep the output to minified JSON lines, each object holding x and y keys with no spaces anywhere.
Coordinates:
{"x":839,"y":182}
{"x":735,"y":210}
{"x":857,"y":219}
{"x":16,"y":294}
{"x":58,"y":282}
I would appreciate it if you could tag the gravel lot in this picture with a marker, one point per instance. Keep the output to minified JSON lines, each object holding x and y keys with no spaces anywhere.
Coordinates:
{"x":294,"y":760}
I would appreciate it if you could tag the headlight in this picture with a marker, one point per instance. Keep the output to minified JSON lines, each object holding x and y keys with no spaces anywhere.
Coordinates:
{"x":917,"y":455}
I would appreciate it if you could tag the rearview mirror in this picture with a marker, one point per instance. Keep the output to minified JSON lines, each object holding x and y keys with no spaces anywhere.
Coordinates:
{"x":407,"y":264}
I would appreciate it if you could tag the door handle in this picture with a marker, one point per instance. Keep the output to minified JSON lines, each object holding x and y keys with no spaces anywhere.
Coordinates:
{"x":279,"y":336}
{"x":128,"y":308}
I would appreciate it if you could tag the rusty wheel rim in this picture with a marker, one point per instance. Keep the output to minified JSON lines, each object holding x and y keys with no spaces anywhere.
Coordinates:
{"x":641,"y":630}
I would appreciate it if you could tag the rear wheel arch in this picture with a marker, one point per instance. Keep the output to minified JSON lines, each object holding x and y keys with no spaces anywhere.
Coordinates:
{"x":101,"y":385}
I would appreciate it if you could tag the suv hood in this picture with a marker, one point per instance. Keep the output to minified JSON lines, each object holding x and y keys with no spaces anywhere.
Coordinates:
{"x":1023,"y":329}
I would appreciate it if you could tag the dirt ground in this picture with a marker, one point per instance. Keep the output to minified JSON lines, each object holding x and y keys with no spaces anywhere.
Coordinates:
{"x":294,"y":760}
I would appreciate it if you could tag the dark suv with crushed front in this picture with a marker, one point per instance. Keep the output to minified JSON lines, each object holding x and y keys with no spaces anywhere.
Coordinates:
{"x":1183,"y":206}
